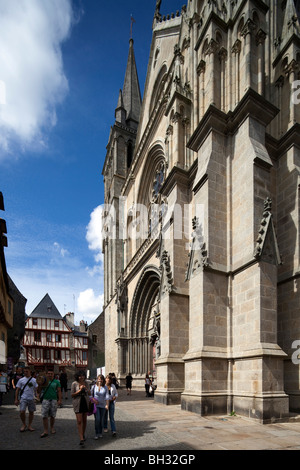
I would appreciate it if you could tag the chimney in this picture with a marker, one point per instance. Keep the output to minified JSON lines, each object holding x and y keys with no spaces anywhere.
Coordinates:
{"x":83,"y":326}
{"x":70,"y":319}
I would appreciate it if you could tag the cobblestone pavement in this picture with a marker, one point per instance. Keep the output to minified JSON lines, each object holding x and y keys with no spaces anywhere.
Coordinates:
{"x":145,"y":425}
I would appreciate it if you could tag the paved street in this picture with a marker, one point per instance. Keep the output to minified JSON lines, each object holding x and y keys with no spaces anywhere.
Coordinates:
{"x":145,"y":425}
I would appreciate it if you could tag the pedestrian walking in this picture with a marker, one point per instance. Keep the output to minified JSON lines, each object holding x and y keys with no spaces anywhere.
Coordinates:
{"x":129,"y":380}
{"x":100,"y":393}
{"x":63,"y":378}
{"x":112,"y":396}
{"x":80,"y":392}
{"x":147,"y":385}
{"x":16,"y":377}
{"x":3,"y":385}
{"x":50,"y":397}
{"x":114,"y":379}
{"x":25,"y":397}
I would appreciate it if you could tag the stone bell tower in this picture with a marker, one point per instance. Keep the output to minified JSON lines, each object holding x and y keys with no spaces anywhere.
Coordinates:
{"x":117,"y":164}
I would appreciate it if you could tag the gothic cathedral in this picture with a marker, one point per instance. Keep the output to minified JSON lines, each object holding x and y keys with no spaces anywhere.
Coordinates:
{"x":201,"y":222}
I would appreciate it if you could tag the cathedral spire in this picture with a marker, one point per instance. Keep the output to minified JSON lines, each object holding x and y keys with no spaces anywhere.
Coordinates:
{"x":291,"y":22}
{"x":131,"y":90}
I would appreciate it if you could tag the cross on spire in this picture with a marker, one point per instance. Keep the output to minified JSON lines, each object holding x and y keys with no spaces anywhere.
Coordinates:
{"x":132,"y":20}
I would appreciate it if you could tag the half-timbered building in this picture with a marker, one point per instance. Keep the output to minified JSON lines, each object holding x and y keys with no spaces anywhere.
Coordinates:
{"x":6,"y":301}
{"x":81,"y":345}
{"x":47,"y":337}
{"x":79,"y":342}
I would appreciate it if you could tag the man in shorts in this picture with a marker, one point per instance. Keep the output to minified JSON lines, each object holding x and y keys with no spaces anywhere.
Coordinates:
{"x":51,"y":398}
{"x":26,"y":387}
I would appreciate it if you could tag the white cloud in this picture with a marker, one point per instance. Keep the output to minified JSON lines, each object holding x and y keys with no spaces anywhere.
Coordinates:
{"x":31,"y":73}
{"x":94,"y":271}
{"x":64,"y":269}
{"x":89,"y":304}
{"x":2,"y":93}
{"x":70,"y":289}
{"x":94,"y":233}
{"x":62,"y":251}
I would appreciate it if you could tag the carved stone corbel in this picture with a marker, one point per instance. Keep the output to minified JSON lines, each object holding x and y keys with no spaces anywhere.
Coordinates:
{"x":201,"y":67}
{"x":260,"y":37}
{"x":236,"y":48}
{"x":212,"y":47}
{"x":248,"y":28}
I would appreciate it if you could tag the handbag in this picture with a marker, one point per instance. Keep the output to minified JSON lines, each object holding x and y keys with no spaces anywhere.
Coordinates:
{"x":92,"y":409}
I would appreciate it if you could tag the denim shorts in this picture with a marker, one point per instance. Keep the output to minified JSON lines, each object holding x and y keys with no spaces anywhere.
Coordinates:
{"x":49,"y":408}
{"x":30,"y":404}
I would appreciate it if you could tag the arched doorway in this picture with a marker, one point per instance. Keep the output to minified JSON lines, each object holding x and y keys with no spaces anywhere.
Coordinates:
{"x":144,"y":323}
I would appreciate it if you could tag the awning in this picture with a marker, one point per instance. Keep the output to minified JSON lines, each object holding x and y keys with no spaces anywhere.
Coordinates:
{"x":2,"y":352}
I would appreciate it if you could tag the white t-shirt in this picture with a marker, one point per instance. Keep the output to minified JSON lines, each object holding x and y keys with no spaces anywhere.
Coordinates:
{"x":29,"y":390}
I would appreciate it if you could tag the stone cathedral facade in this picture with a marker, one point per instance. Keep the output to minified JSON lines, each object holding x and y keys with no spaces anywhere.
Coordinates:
{"x":201,"y":224}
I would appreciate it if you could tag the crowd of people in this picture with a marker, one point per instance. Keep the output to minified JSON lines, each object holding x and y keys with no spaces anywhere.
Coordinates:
{"x":96,"y":398}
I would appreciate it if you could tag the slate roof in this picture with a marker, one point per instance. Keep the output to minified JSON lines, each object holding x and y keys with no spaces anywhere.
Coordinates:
{"x":77,"y":332}
{"x":46,"y":309}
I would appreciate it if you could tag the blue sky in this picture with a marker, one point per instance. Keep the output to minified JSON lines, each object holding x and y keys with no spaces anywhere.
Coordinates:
{"x":62,"y":65}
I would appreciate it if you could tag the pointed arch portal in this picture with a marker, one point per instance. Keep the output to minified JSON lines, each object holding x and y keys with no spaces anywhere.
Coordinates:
{"x":144,"y":324}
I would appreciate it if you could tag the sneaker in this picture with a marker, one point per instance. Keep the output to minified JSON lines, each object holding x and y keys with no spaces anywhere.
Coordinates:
{"x":114,"y":434}
{"x":105,"y":430}
{"x":96,"y":437}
